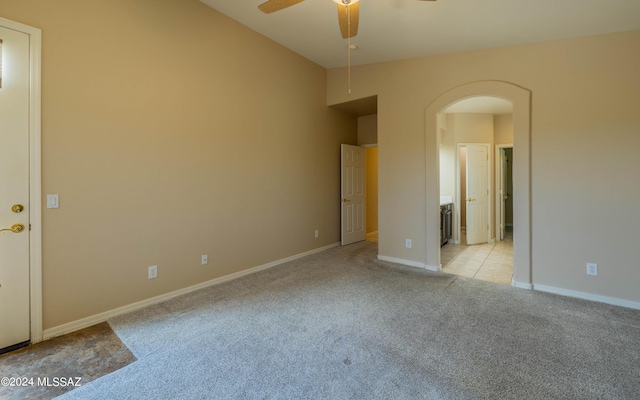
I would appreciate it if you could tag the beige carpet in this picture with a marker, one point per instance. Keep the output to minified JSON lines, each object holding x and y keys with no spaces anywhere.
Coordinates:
{"x":341,"y":324}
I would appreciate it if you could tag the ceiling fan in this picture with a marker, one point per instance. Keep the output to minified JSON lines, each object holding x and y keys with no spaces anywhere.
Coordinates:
{"x":348,"y":13}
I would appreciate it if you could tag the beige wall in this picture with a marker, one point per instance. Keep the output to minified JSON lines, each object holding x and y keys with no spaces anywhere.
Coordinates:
{"x":503,"y":129}
{"x":473,"y":128}
{"x":165,"y":141}
{"x":368,"y":129}
{"x":448,"y":150}
{"x":584,"y":97}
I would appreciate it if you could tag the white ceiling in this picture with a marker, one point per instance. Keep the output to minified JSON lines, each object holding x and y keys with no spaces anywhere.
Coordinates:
{"x":400,"y":29}
{"x":482,"y":105}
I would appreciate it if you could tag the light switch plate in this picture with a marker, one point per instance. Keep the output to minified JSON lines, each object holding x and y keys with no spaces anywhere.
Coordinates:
{"x":52,"y":201}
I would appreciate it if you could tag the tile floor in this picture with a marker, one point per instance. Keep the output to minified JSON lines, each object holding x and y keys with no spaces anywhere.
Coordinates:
{"x":489,"y":261}
{"x":86,"y":354}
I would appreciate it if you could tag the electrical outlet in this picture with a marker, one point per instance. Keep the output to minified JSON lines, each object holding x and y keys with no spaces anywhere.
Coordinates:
{"x":153,"y":271}
{"x":317,"y":233}
{"x":407,"y":243}
{"x":592,"y":269}
{"x":205,"y":259}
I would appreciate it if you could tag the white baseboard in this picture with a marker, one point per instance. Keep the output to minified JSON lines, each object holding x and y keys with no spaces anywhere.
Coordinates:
{"x":102,"y":317}
{"x":522,"y":285}
{"x":372,"y":234}
{"x":410,"y":263}
{"x":588,"y":296}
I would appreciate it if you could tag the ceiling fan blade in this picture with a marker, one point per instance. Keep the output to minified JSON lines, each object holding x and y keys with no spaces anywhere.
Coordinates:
{"x":276,"y":5}
{"x":343,"y":19}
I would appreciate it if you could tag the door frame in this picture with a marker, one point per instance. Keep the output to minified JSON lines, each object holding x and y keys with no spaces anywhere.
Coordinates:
{"x":35,"y":175}
{"x":498,"y":197}
{"x":489,"y":183}
{"x":522,"y":235}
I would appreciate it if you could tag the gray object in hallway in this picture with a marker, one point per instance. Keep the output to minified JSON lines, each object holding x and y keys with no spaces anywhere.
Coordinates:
{"x":341,"y":324}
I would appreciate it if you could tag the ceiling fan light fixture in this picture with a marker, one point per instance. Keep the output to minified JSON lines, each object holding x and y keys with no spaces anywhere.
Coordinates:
{"x":345,"y":2}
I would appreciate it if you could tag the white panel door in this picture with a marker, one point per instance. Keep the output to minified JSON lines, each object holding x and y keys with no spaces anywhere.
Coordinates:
{"x":353,"y":194}
{"x":477,"y":194}
{"x":14,"y":189}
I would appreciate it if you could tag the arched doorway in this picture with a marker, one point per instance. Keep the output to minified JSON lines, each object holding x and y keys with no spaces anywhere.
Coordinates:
{"x":521,"y":99}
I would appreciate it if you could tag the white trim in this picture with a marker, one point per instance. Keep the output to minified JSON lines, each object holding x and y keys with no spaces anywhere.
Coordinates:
{"x":410,"y":263}
{"x":588,"y":296}
{"x":522,"y":285}
{"x":372,"y":233}
{"x":102,"y":317}
{"x":35,"y":176}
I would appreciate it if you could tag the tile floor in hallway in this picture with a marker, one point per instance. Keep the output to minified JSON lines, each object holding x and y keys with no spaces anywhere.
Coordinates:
{"x":489,"y":261}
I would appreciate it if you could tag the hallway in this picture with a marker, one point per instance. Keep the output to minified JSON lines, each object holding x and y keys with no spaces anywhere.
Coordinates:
{"x":489,"y":261}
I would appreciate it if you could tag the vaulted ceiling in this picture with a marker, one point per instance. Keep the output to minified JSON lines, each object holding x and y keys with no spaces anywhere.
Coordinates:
{"x":399,"y":29}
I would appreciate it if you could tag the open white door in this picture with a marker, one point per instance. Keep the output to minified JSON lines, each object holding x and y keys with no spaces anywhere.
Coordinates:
{"x":503,"y":191}
{"x":477,"y":194}
{"x":353,"y":194}
{"x":14,"y":189}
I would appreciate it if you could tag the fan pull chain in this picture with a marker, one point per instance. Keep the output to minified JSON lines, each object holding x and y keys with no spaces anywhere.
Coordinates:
{"x":349,"y":49}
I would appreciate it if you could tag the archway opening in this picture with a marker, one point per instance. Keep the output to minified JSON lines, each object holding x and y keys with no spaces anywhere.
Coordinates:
{"x":521,"y":100}
{"x":475,"y":241}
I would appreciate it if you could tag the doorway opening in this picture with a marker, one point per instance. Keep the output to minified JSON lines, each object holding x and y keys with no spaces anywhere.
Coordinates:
{"x":471,"y":178}
{"x":521,"y":100}
{"x":504,"y":191}
{"x":371,"y":155}
{"x":365,"y":110}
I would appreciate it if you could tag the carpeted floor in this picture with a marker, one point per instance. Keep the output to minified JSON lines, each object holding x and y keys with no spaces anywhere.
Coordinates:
{"x":341,"y":324}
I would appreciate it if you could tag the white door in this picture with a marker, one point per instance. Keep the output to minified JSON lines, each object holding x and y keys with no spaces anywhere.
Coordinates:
{"x":14,"y":189}
{"x":353,"y":194}
{"x":477,"y":194}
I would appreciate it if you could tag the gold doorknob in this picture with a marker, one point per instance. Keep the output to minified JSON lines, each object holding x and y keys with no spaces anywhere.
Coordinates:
{"x":471,"y":199}
{"x":346,"y":201}
{"x":15,"y":228}
{"x":17,"y":208}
